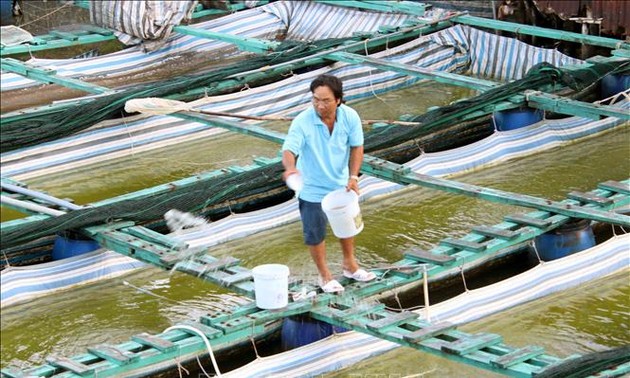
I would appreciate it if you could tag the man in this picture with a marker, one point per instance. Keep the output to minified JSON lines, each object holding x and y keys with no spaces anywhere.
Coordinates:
{"x":326,"y":141}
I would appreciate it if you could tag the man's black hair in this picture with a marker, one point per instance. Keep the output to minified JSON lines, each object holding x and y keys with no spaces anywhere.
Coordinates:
{"x":331,"y":82}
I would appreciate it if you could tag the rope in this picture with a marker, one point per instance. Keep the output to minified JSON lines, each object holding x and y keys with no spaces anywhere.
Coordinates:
{"x":540,"y":261}
{"x":205,"y":340}
{"x":46,"y":15}
{"x":461,"y":270}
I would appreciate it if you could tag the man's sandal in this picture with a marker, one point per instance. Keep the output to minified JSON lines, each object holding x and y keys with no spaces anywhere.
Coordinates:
{"x":360,"y":275}
{"x":332,"y":286}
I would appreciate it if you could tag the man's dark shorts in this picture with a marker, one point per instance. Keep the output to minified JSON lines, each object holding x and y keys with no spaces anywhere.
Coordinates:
{"x":313,"y":222}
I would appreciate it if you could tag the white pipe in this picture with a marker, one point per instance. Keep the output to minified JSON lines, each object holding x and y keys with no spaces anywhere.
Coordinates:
{"x":30,"y":206}
{"x":205,"y":340}
{"x":425,"y":286}
{"x":41,"y":196}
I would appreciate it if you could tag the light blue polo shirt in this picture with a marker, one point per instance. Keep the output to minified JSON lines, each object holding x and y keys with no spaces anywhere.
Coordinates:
{"x":322,"y":157}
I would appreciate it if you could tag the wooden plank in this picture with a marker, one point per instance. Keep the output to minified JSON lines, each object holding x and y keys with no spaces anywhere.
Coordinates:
{"x":428,"y":257}
{"x":212,"y":263}
{"x":243,"y":43}
{"x":390,"y":171}
{"x":70,"y":365}
{"x":589,"y":198}
{"x":236,"y":278}
{"x":155,"y":237}
{"x":154,"y":342}
{"x":463,"y":244}
{"x":568,"y":106}
{"x":64,"y":35}
{"x":96,"y":30}
{"x":392,"y":319}
{"x":223,"y":315}
{"x":517,"y":356}
{"x":496,"y":232}
{"x":528,"y":221}
{"x":210,"y":332}
{"x":428,"y":332}
{"x":616,"y":186}
{"x":409,"y":7}
{"x":48,"y":76}
{"x":114,"y":354}
{"x":541,"y":32}
{"x":355,"y":311}
{"x":472,"y":343}
{"x":424,"y":73}
{"x":15,"y":372}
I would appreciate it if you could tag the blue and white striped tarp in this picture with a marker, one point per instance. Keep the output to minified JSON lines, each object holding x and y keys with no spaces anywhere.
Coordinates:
{"x":344,"y":349}
{"x":19,"y":284}
{"x":25,"y":283}
{"x":299,"y":20}
{"x":112,"y":140}
{"x":499,"y":147}
{"x":135,"y":21}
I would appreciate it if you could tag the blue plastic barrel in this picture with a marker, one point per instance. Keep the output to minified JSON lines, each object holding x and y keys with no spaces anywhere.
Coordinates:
{"x":512,"y":119}
{"x":613,"y":84}
{"x":71,"y":244}
{"x":6,"y":12}
{"x":303,"y":330}
{"x":572,"y":237}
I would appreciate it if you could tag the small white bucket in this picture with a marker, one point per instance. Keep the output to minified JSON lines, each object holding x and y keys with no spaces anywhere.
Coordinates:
{"x":343,"y":213}
{"x":271,"y":285}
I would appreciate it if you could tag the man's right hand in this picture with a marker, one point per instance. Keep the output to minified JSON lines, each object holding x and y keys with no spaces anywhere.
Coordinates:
{"x":289,"y":172}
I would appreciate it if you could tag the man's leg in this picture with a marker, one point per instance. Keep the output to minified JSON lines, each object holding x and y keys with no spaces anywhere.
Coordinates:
{"x":318,"y":253}
{"x":349,"y":262}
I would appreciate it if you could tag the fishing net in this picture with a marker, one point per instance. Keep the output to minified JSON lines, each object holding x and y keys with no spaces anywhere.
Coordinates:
{"x":19,"y":130}
{"x":255,"y":188}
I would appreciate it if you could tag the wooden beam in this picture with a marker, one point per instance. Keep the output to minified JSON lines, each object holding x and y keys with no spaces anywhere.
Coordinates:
{"x":49,"y":76}
{"x":258,"y":46}
{"x":439,"y":76}
{"x":541,"y":32}
{"x":400,"y":174}
{"x":408,"y":7}
{"x":558,"y":104}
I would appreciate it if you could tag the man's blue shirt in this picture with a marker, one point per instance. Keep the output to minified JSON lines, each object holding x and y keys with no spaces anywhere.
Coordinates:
{"x":322,"y":157}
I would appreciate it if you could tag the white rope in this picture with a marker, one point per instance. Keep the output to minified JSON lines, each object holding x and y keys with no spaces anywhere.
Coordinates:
{"x":425,"y":287}
{"x":540,"y":261}
{"x":205,"y":340}
{"x":46,"y":15}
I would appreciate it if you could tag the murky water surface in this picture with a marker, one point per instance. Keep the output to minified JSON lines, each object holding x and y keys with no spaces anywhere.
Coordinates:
{"x":593,"y":317}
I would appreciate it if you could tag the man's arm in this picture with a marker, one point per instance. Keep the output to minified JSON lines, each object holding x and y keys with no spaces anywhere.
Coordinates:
{"x":354,"y":165}
{"x":288,"y":162}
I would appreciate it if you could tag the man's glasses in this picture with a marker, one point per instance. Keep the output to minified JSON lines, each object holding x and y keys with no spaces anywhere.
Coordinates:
{"x":325,"y":101}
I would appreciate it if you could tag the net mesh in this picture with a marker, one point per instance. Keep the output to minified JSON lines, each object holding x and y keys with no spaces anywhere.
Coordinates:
{"x":244,"y":191}
{"x":19,"y":130}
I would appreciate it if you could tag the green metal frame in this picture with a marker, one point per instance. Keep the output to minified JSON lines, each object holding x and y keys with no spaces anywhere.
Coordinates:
{"x":58,"y":39}
{"x":400,"y":174}
{"x":439,"y":76}
{"x":258,"y":46}
{"x":49,"y":76}
{"x":563,"y":105}
{"x":408,"y":7}
{"x":237,"y":325}
{"x":541,"y":32}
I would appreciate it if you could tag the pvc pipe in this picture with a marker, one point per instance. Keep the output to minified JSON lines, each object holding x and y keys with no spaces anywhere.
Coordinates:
{"x":30,"y":206}
{"x":41,"y":196}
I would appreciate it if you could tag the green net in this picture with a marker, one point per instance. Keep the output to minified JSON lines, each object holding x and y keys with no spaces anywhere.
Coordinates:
{"x":263,"y":186}
{"x":19,"y":131}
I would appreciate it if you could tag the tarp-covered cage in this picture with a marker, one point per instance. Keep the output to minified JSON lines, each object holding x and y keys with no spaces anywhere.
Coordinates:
{"x":242,"y":191}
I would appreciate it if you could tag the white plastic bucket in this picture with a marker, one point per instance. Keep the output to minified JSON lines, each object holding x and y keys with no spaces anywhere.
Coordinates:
{"x":295,"y":182}
{"x":343,"y":213}
{"x":271,"y":285}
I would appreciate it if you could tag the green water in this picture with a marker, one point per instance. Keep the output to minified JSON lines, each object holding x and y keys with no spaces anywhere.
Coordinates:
{"x":591,"y":318}
{"x":151,"y":300}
